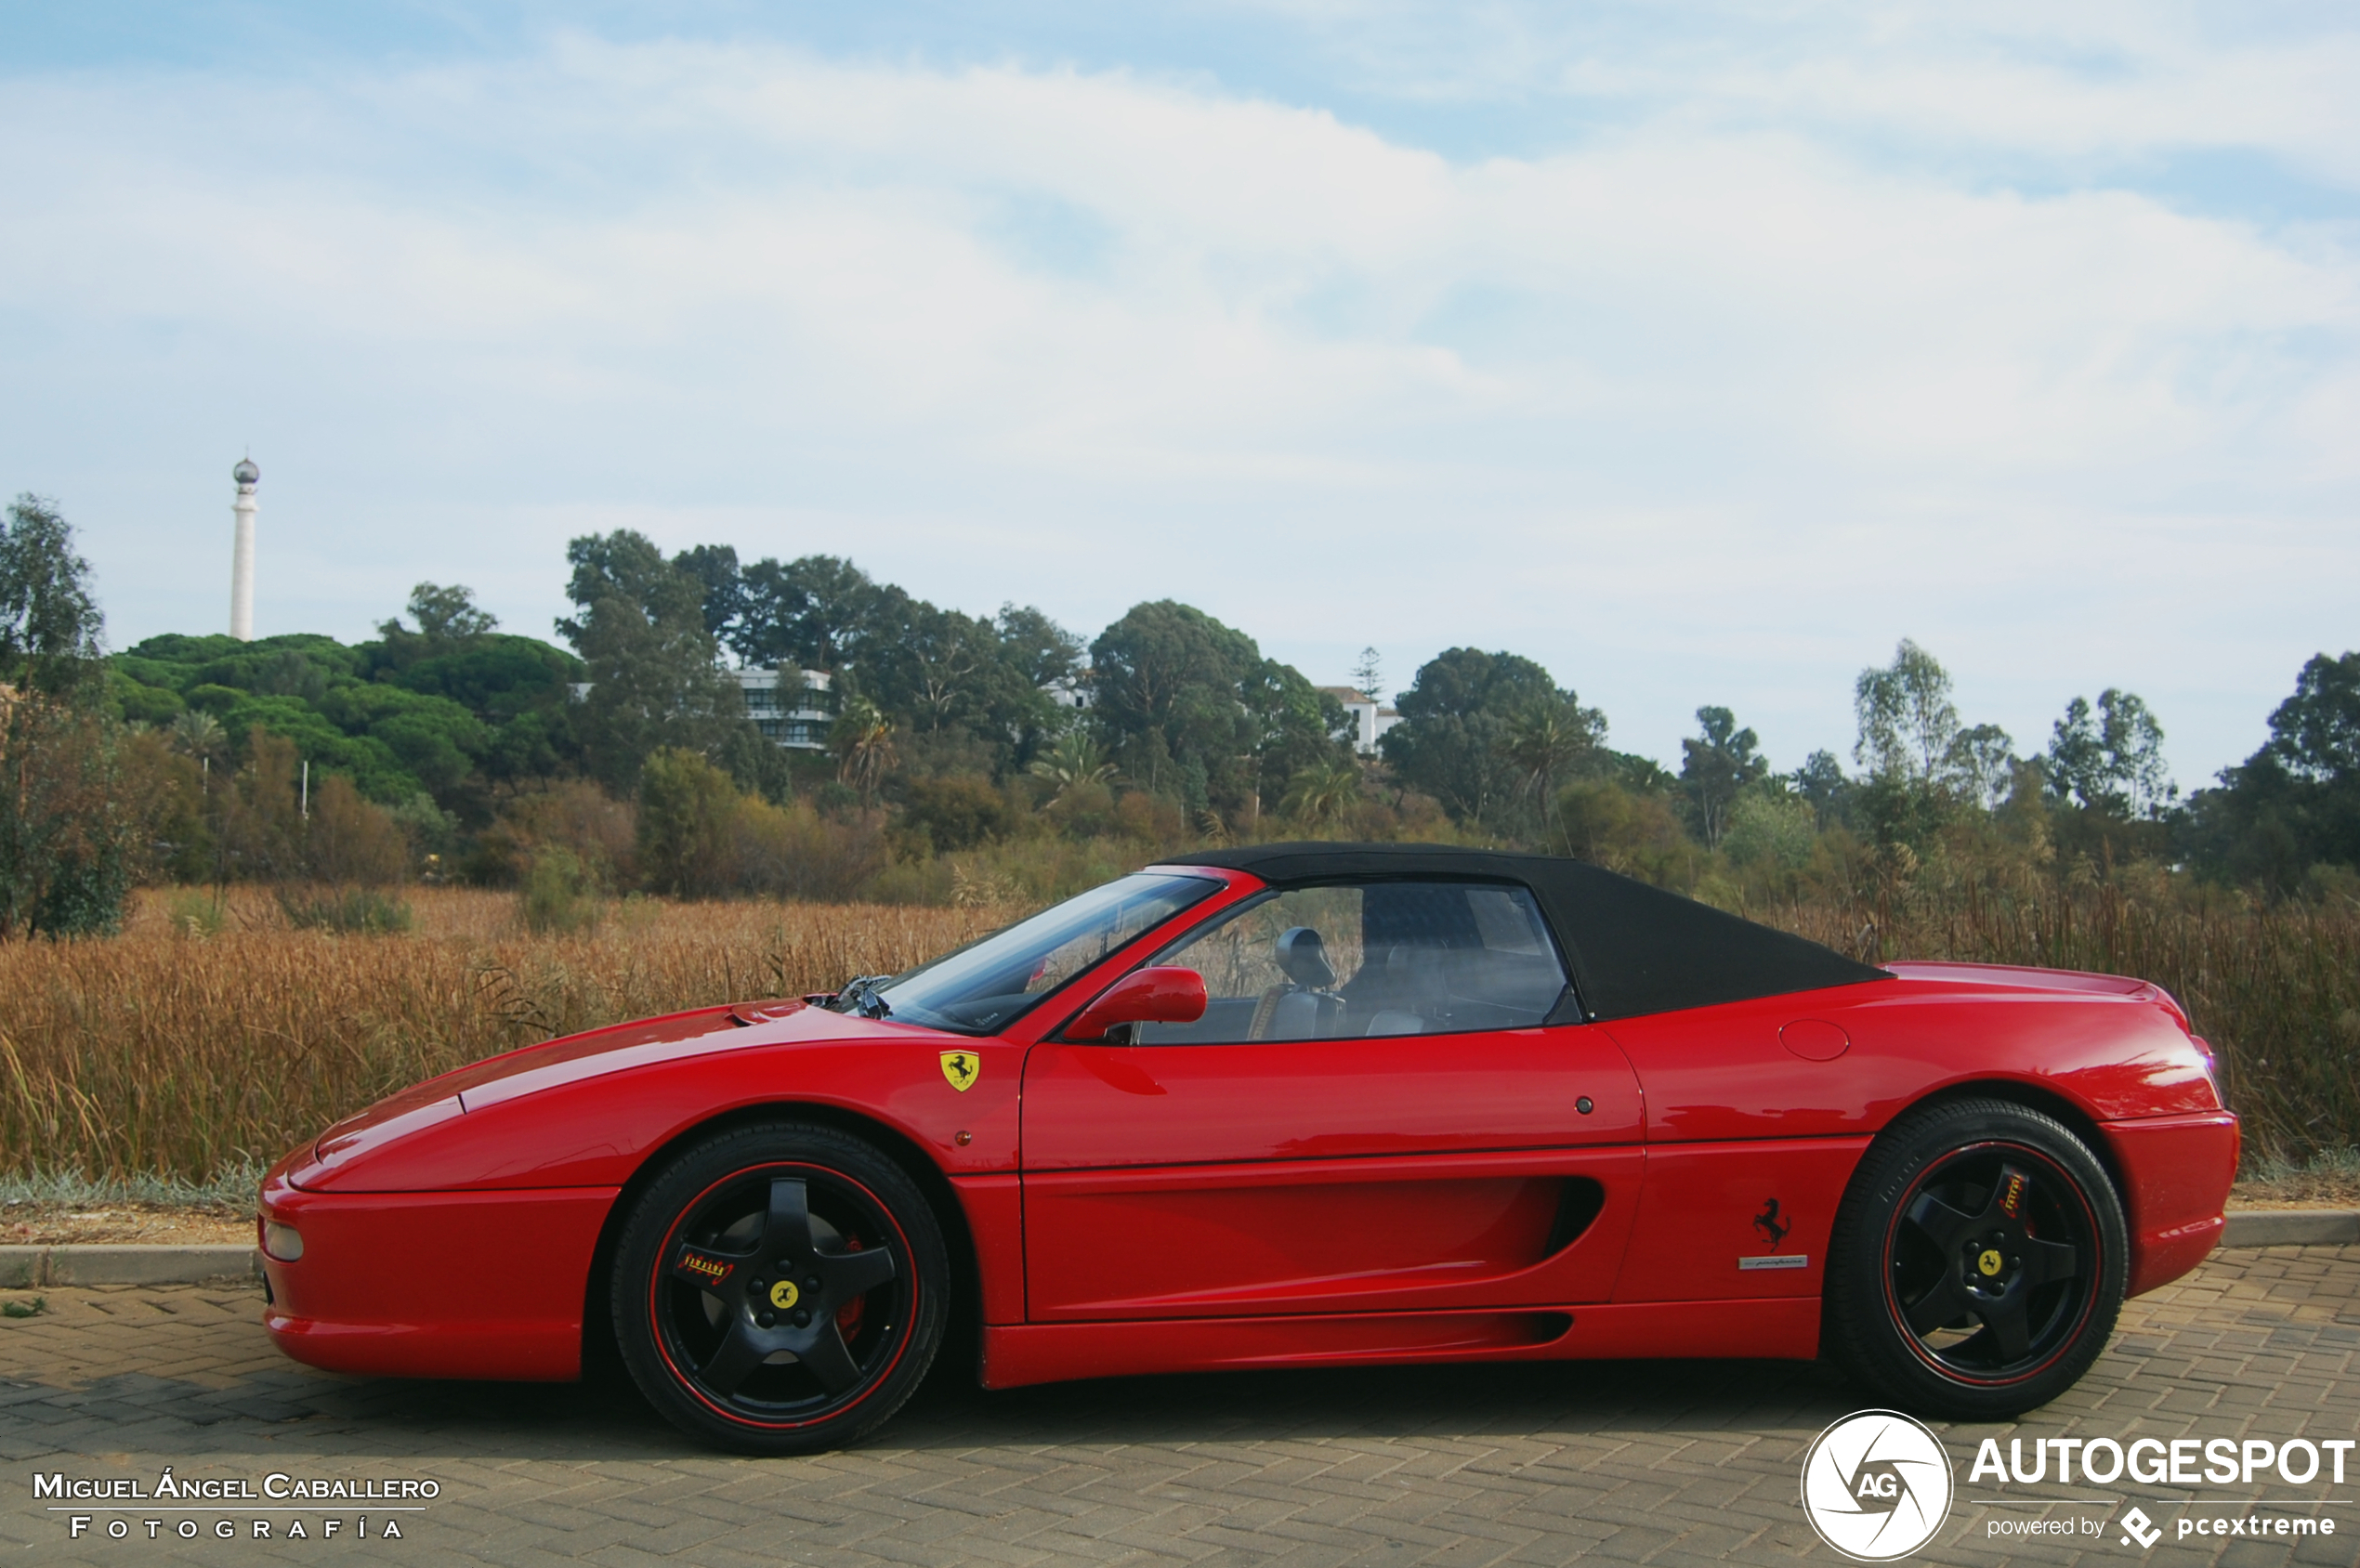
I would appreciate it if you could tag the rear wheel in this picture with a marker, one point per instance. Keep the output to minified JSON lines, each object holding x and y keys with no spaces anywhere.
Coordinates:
{"x":1977,"y":1263}
{"x":779,"y":1288}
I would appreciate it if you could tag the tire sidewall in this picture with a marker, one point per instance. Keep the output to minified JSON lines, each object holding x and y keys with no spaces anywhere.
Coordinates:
{"x":1864,"y":1330}
{"x":683,"y":1183}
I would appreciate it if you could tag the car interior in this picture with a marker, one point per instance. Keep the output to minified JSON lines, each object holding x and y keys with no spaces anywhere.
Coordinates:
{"x":1384,"y":958}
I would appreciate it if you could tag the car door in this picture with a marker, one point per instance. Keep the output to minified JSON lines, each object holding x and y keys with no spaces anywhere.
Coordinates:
{"x":1372,"y":1115}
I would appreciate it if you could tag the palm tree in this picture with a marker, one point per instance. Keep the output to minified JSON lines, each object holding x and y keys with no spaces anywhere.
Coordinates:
{"x":1320,"y":791}
{"x":197,"y":733}
{"x":862,"y":739}
{"x":1541,"y":743}
{"x":1072,"y":762}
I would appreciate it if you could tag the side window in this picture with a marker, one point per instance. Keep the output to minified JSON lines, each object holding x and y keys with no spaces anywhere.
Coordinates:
{"x":1379,"y":958}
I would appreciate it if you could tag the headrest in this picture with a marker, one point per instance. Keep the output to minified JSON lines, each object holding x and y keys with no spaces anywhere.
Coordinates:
{"x":1303,"y":958}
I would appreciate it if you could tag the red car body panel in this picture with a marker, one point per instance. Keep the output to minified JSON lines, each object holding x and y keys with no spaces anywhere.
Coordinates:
{"x":440,"y":1285}
{"x":1136,"y":1209}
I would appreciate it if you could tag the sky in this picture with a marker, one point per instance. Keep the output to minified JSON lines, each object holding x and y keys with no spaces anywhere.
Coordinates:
{"x":1699,"y":351}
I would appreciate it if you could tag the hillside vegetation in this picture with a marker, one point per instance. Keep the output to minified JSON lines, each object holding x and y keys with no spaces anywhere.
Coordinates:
{"x":322,"y":804}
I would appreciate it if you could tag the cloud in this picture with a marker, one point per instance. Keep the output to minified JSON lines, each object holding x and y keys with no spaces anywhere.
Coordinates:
{"x":1709,"y":403}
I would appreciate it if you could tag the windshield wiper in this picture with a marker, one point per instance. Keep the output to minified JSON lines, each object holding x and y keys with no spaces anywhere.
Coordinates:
{"x":860,"y":995}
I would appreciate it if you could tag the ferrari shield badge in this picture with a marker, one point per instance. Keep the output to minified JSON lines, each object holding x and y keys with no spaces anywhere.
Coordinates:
{"x":961,"y":1067}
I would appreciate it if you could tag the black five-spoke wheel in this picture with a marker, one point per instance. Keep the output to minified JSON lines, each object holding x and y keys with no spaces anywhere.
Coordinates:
{"x":1977,"y":1263}
{"x":778,"y":1289}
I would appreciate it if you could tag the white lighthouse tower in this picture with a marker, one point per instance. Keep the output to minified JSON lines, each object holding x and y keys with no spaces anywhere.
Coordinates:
{"x":242,"y":555}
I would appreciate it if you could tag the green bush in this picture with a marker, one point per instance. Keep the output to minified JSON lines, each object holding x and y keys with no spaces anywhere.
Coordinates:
{"x":560,"y":894}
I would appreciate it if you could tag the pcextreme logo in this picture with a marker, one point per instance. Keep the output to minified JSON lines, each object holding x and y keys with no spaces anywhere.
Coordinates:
{"x":1876,"y":1485}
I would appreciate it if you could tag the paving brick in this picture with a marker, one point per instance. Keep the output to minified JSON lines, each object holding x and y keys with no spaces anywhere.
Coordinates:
{"x":1660,"y":1463}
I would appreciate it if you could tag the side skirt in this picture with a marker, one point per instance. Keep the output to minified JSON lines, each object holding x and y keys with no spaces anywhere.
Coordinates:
{"x":1784,"y":1329}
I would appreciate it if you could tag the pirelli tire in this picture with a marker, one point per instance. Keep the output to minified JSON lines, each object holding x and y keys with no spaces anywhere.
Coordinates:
{"x":1977,"y":1263}
{"x":779,"y":1288}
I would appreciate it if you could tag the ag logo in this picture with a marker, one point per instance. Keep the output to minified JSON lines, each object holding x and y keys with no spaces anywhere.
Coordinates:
{"x":1876,"y":1485}
{"x":962,"y":1067}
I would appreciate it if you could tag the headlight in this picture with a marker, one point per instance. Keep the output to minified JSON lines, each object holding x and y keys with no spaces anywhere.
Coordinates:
{"x":282,"y":1241}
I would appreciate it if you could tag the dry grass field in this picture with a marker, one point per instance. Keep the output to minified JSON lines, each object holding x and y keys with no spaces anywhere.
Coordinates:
{"x":169,"y":1051}
{"x":165,"y":1052}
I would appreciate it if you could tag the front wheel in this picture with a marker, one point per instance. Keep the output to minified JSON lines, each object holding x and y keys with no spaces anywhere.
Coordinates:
{"x":1977,"y":1263}
{"x":779,"y":1289}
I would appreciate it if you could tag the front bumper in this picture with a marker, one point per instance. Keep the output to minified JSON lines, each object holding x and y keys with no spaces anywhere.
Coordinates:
{"x":434,"y":1285}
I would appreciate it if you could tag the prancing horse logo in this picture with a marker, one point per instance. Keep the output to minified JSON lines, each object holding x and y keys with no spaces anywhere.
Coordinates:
{"x":962,"y":1067}
{"x":1770,"y":1225}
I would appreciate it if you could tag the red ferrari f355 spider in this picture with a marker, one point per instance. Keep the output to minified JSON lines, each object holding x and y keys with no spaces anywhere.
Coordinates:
{"x":1287,"y":1106}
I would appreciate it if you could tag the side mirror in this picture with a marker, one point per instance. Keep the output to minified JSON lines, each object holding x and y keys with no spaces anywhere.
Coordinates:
{"x":1159,"y":993}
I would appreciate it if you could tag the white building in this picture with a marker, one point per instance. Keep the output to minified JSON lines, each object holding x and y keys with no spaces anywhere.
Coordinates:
{"x":1369,"y":717}
{"x":798,"y":717}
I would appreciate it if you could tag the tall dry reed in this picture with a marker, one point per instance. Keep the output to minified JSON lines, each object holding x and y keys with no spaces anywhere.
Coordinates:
{"x":167,"y":1052}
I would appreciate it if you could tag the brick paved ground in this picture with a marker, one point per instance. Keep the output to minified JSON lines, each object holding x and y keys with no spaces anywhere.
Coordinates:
{"x":1670,"y":1463}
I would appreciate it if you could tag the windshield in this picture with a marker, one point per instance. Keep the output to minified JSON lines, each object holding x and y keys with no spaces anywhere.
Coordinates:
{"x":987,"y":985}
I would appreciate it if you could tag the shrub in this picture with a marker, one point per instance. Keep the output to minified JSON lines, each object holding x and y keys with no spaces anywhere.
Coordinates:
{"x":349,"y":841}
{"x":560,"y":895}
{"x":958,"y":812}
{"x":578,"y":816}
{"x":685,"y":808}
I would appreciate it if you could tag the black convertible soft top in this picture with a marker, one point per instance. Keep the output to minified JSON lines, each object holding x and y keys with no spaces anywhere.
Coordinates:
{"x":1635,"y":949}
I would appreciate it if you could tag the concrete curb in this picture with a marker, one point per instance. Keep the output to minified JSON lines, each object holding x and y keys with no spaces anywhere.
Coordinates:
{"x":23,"y":1267}
{"x":28,"y":1267}
{"x":2292,"y":1227}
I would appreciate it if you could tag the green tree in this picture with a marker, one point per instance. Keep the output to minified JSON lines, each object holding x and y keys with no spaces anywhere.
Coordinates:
{"x":1715,"y":767}
{"x":686,"y":806}
{"x":71,"y":831}
{"x":1907,"y":722}
{"x":1453,"y":741}
{"x":1296,"y":728}
{"x":653,"y":665}
{"x":714,"y":570}
{"x":2315,"y":734}
{"x":1043,"y":652}
{"x":2295,"y":804}
{"x":445,"y":615}
{"x":2110,"y":762}
{"x":1820,"y":782}
{"x":815,"y":612}
{"x":49,"y":621}
{"x":1984,"y":759}
{"x":1170,"y":681}
{"x":1909,"y":730}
